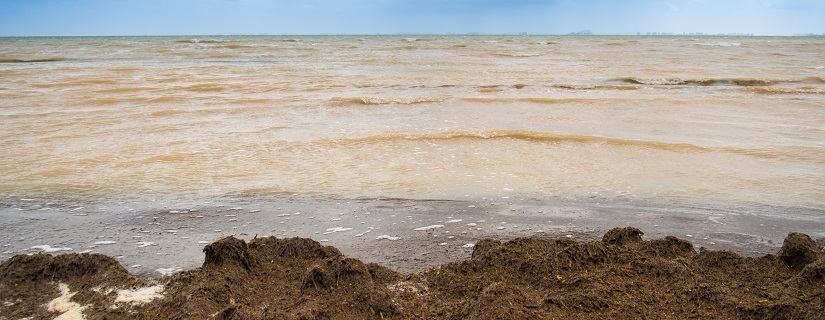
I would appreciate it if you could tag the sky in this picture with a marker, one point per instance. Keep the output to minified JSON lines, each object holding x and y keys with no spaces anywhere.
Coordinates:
{"x":217,"y":17}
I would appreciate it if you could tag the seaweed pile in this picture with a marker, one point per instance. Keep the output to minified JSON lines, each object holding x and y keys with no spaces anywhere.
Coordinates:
{"x":620,"y":276}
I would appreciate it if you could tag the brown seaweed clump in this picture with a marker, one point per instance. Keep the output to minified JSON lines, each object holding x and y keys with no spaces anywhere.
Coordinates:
{"x":621,"y":276}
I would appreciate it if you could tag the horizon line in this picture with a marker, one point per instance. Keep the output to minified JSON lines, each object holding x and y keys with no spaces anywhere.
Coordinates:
{"x":579,"y":34}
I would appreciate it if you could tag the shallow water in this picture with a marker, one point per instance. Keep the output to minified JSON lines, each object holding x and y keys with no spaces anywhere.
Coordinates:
{"x":712,"y":120}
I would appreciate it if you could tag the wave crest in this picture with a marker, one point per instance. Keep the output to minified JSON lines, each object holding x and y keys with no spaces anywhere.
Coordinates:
{"x":741,"y":82}
{"x":530,"y":136}
{"x":381,"y":101}
{"x":30,"y":60}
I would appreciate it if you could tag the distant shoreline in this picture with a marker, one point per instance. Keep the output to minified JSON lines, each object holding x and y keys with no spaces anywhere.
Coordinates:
{"x":421,"y":34}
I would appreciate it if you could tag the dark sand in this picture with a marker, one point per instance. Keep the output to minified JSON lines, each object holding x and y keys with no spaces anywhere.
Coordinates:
{"x":620,"y":276}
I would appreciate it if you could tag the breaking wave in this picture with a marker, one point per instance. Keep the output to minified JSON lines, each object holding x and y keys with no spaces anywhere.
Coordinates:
{"x":530,"y":136}
{"x":381,"y":101}
{"x":741,"y":82}
{"x":802,"y":153}
{"x":539,"y":100}
{"x":781,"y":90}
{"x":24,"y":60}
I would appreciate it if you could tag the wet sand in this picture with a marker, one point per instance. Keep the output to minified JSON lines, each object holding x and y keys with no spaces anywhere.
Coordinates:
{"x":160,"y":238}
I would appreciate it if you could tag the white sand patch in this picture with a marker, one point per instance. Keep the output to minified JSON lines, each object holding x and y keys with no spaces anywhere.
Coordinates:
{"x":140,"y":296}
{"x":435,"y":226}
{"x":453,"y":221}
{"x":144,"y":244}
{"x":69,"y":310}
{"x":337,"y":229}
{"x":48,"y":248}
{"x":387,"y":237}
{"x":105,"y":242}
{"x":472,"y":224}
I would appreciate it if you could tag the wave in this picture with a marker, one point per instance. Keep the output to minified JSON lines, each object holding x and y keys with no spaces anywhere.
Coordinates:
{"x":596,"y":87}
{"x":32,"y":60}
{"x":380,"y":101}
{"x":516,"y":54}
{"x":538,"y":100}
{"x":802,"y":153}
{"x":741,"y":82}
{"x":783,"y":90}
{"x":200,"y":41}
{"x":719,"y":44}
{"x":532,"y":136}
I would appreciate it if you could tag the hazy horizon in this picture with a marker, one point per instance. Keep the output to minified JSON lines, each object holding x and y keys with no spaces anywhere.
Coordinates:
{"x":389,"y":17}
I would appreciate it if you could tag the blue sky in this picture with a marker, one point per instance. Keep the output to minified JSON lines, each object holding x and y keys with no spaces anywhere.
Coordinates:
{"x":212,"y":17}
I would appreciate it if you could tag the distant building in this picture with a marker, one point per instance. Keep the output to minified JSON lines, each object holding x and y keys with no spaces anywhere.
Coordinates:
{"x":582,"y":33}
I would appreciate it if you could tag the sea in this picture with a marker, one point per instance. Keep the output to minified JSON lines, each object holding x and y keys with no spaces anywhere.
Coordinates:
{"x":664,"y":120}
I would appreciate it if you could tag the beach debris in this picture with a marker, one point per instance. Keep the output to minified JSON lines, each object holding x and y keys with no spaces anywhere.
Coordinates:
{"x":453,"y":221}
{"x":387,"y":237}
{"x":48,"y":248}
{"x":105,"y":242}
{"x":144,"y":244}
{"x":435,"y":226}
{"x":469,"y":245}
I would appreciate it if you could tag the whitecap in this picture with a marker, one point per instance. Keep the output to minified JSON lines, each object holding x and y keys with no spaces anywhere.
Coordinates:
{"x":337,"y":229}
{"x":48,"y":248}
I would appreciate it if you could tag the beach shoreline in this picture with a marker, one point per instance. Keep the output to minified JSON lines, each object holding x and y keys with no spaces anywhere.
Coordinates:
{"x":404,"y":235}
{"x":619,"y":275}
